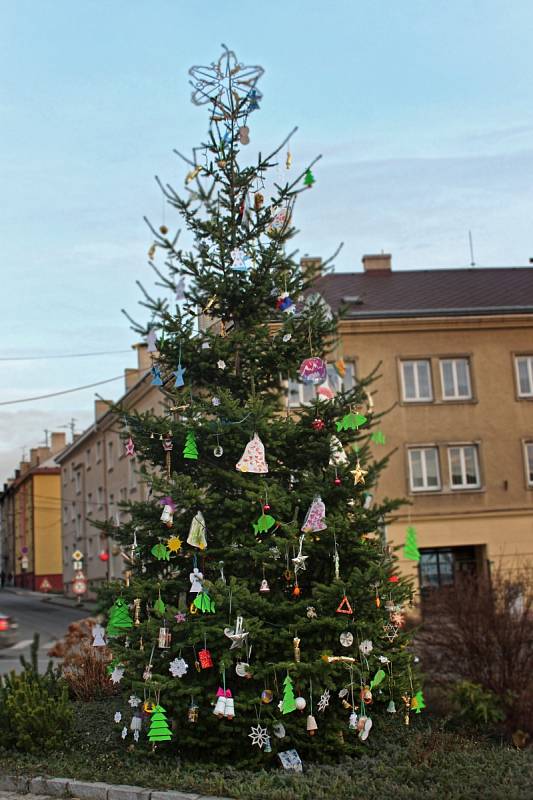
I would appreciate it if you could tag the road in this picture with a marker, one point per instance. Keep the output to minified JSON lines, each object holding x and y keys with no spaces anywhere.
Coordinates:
{"x":34,"y":614}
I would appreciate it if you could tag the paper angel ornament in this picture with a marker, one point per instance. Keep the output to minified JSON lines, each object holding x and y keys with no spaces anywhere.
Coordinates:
{"x":196,"y":578}
{"x":98,"y":636}
{"x":253,"y":458}
{"x":338,"y":457}
{"x":315,"y":519}
{"x":197,"y":537}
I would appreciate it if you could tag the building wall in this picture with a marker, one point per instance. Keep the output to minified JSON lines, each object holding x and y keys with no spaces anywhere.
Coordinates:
{"x":47,"y":530}
{"x":499,"y":514}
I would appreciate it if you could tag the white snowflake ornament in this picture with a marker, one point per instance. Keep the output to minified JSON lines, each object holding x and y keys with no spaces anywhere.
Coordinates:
{"x":221,"y":364}
{"x":323,"y":703}
{"x":134,"y":701}
{"x":117,"y":674}
{"x":259,"y":736}
{"x":178,"y":667}
{"x":366,"y":647}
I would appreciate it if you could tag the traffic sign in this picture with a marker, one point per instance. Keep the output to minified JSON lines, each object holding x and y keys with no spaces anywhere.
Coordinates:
{"x":45,"y":585}
{"x":77,"y":555}
{"x":77,"y":565}
{"x":79,"y":585}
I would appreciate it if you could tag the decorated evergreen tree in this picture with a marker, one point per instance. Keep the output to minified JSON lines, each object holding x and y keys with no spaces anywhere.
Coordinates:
{"x":284,"y":568}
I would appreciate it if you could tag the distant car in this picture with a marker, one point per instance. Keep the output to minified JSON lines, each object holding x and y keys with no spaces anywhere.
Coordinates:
{"x":8,"y":631}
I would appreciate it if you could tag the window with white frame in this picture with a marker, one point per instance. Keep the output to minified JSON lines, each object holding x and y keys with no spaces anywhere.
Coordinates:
{"x":524,"y":375}
{"x":424,"y":473}
{"x":528,"y":453}
{"x":455,"y":379}
{"x":416,"y":381}
{"x":302,"y":394}
{"x":464,"y":466}
{"x":110,"y":454}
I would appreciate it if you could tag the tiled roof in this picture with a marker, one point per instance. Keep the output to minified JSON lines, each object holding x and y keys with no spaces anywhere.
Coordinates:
{"x":430,"y":292}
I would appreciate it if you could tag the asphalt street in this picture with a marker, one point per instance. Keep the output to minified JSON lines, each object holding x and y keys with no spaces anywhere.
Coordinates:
{"x":34,"y":614}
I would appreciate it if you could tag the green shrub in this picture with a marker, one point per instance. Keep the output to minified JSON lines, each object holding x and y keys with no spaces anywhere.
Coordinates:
{"x":477,"y":706}
{"x":35,"y":713}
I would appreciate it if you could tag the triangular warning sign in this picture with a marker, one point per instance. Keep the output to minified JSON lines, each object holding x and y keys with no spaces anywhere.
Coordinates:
{"x":344,"y":606}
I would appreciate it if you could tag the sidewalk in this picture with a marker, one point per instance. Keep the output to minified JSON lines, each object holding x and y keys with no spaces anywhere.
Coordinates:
{"x":54,"y":599}
{"x":13,"y":786}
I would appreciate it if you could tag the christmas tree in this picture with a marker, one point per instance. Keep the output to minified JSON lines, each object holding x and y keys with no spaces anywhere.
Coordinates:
{"x":261,"y":468}
{"x":190,"y":449}
{"x":119,"y":619}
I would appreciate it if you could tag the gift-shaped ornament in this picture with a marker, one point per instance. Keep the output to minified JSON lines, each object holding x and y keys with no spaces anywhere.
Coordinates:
{"x":315,"y":519}
{"x":253,"y":458}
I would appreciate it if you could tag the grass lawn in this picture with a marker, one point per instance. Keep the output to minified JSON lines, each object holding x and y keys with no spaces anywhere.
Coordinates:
{"x":425,"y":763}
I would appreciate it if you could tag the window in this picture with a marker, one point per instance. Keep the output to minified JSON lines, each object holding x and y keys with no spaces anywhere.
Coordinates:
{"x":455,"y":379}
{"x":524,"y":375}
{"x":440,"y":566}
{"x":464,"y":467}
{"x":100,"y":497}
{"x":78,"y":526}
{"x":89,"y":547}
{"x":528,"y":452}
{"x":110,"y":455}
{"x":65,"y":513}
{"x":88,"y":458}
{"x":98,"y":451}
{"x":301,"y":394}
{"x":132,"y":475}
{"x":73,"y":511}
{"x":89,"y":503}
{"x":416,"y":381}
{"x":72,"y":470}
{"x":123,"y":495}
{"x":424,"y":474}
{"x":77,"y":477}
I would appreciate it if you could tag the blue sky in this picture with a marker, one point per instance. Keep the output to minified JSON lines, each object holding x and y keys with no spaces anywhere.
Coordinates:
{"x":423,"y":112}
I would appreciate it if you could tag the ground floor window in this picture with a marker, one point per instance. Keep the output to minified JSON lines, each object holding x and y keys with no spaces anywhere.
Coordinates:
{"x":439,"y":566}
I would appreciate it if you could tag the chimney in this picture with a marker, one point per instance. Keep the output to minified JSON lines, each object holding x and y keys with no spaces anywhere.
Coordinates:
{"x":377,"y":263}
{"x":58,"y":442}
{"x":311,"y":267}
{"x":101,"y":407}
{"x":144,"y":361}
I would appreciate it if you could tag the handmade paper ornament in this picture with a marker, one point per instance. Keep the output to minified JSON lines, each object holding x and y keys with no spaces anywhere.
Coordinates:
{"x":311,"y":725}
{"x":366,"y":695}
{"x":264,"y":588}
{"x":299,"y":560}
{"x":159,"y":606}
{"x":196,"y":578}
{"x":178,"y":373}
{"x":390,"y":631}
{"x":117,"y":717}
{"x":180,"y":617}
{"x":164,"y":638}
{"x":313,"y":371}
{"x":190,"y":450}
{"x":410,"y":549}
{"x":237,"y":635}
{"x":156,"y":376}
{"x":130,"y":447}
{"x":221,"y":364}
{"x":279,"y":730}
{"x":288,"y":703}
{"x":340,"y":367}
{"x":119,"y":619}
{"x":378,"y":437}
{"x":192,"y":712}
{"x":418,"y":703}
{"x":242,"y":668}
{"x":391,"y":708}
{"x":197,"y":533}
{"x":315,"y":519}
{"x":346,"y":639}
{"x":117,"y":674}
{"x":254,"y":95}
{"x":309,"y":178}
{"x":204,"y":657}
{"x":364,"y":725}
{"x":98,"y":632}
{"x":338,"y":457}
{"x":366,"y":647}
{"x":279,"y":223}
{"x":259,"y":200}
{"x":318,"y":424}
{"x":253,"y":458}
{"x":134,"y":701}
{"x":178,"y":667}
{"x":161,"y":552}
{"x":159,"y":730}
{"x":325,"y":392}
{"x":296,"y":648}
{"x":167,"y":515}
{"x":137,"y":611}
{"x":240,"y":260}
{"x":378,"y":678}
{"x":180,"y":289}
{"x":351,"y":421}
{"x":352,"y":721}
{"x":244,"y":134}
{"x":259,"y":735}
{"x":174,"y":544}
{"x":151,"y":341}
{"x":286,"y":303}
{"x":136,"y":723}
{"x":267,"y":695}
{"x":311,"y":612}
{"x":323,"y":703}
{"x":203,"y":603}
{"x":224,"y":706}
{"x":264,"y":523}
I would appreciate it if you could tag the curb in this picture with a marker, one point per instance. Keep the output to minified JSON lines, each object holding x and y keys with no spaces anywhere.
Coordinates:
{"x":54,"y":599}
{"x":85,"y":790}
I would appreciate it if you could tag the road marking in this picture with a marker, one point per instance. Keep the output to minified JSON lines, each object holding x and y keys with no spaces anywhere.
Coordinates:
{"x":21,"y":645}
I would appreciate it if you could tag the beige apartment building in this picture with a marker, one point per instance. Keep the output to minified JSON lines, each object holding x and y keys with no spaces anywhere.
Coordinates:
{"x":96,"y":476}
{"x":455,"y":348}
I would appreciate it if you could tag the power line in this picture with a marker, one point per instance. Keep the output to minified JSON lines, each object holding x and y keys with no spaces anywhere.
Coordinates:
{"x":62,"y":355}
{"x":64,"y":391}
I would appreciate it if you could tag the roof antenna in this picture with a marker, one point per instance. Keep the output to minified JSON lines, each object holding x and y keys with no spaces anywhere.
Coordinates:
{"x":472,"y":261}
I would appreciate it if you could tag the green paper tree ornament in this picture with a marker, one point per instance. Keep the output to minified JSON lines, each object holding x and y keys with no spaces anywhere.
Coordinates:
{"x":190,"y":450}
{"x":288,"y":703}
{"x":309,"y":178}
{"x":119,"y":619}
{"x":378,"y":678}
{"x":351,"y":421}
{"x":159,"y":606}
{"x":410,"y":549}
{"x":264,"y":523}
{"x":161,"y":552}
{"x":378,"y":437}
{"x":204,"y":603}
{"x":159,"y":730}
{"x":418,"y":703}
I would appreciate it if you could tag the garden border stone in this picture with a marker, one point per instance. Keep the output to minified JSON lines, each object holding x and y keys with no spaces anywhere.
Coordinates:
{"x":87,"y":790}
